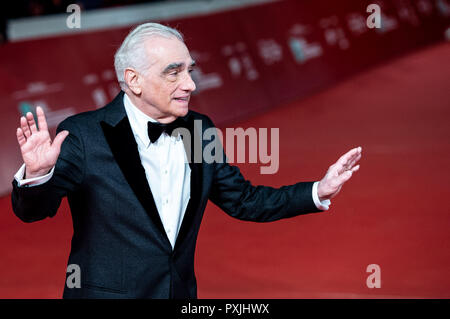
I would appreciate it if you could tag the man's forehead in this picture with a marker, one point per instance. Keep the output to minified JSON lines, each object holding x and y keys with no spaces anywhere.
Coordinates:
{"x":165,"y":51}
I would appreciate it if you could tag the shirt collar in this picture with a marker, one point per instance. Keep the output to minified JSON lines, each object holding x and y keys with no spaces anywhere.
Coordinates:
{"x":138,"y":120}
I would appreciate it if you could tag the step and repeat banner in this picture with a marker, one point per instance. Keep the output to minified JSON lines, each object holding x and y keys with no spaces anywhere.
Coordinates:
{"x":249,"y":60}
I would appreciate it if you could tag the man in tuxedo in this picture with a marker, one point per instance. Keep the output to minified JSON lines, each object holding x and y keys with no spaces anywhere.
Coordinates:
{"x":136,"y":198}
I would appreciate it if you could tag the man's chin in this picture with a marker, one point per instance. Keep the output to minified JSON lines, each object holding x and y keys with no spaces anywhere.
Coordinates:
{"x":182,"y":111}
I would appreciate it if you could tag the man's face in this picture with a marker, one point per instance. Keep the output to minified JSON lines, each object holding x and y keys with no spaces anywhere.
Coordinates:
{"x":167,"y":84}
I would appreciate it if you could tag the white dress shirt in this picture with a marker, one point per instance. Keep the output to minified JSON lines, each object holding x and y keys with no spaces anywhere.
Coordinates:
{"x":167,"y":171}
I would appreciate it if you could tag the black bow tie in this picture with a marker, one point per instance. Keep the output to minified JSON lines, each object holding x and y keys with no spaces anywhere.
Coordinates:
{"x":155,"y":129}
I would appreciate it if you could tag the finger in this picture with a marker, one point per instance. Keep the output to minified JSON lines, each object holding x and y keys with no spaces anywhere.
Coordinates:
{"x":341,"y":167}
{"x":59,"y":139}
{"x":345,"y":159}
{"x":42,"y":122}
{"x":344,"y":162}
{"x":349,"y":166}
{"x":20,"y":137}
{"x":31,"y":122}
{"x":350,"y":158}
{"x":341,"y":179}
{"x":353,"y":162}
{"x":24,"y":127}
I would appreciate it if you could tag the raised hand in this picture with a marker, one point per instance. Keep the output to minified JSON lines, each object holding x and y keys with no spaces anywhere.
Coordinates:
{"x":338,"y":174}
{"x":39,"y":153}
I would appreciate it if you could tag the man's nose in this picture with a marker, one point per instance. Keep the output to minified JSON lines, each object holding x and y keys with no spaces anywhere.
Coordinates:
{"x":188,"y":84}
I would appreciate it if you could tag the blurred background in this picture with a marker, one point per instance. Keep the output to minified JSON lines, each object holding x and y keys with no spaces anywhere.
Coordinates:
{"x":313,"y":69}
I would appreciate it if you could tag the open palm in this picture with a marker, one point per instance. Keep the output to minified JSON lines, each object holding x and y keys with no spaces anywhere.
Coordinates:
{"x":39,"y":153}
{"x":339,"y":173}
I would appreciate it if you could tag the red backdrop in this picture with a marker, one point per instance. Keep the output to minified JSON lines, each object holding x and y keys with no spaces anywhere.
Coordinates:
{"x":249,"y":60}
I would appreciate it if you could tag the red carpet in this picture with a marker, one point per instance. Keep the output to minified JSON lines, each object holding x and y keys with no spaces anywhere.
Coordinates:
{"x":392,"y":213}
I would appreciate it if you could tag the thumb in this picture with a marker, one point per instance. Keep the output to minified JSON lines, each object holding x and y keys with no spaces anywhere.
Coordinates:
{"x":59,"y":139}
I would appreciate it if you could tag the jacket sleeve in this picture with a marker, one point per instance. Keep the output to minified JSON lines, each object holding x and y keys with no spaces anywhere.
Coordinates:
{"x":240,"y":199}
{"x":38,"y":202}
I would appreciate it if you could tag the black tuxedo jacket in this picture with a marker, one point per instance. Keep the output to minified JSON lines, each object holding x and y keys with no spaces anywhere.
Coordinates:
{"x":119,"y":241}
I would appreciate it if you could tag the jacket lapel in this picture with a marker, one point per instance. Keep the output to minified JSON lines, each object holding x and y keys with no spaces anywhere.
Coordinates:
{"x":119,"y":136}
{"x":195,"y":183}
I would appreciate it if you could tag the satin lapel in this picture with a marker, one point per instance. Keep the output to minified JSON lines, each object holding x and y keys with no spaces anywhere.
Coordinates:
{"x":195,"y":183}
{"x":124,"y":148}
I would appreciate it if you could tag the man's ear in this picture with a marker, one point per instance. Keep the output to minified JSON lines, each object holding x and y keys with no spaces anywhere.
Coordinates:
{"x":131,"y":78}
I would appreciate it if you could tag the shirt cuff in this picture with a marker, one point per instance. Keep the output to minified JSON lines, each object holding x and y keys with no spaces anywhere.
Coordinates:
{"x":35,"y":181}
{"x":322,"y":205}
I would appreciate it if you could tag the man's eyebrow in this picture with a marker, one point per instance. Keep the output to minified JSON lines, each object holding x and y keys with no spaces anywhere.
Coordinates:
{"x":172,"y":66}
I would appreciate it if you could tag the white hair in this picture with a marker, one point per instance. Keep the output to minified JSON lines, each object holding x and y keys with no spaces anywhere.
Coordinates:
{"x":132,"y":54}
